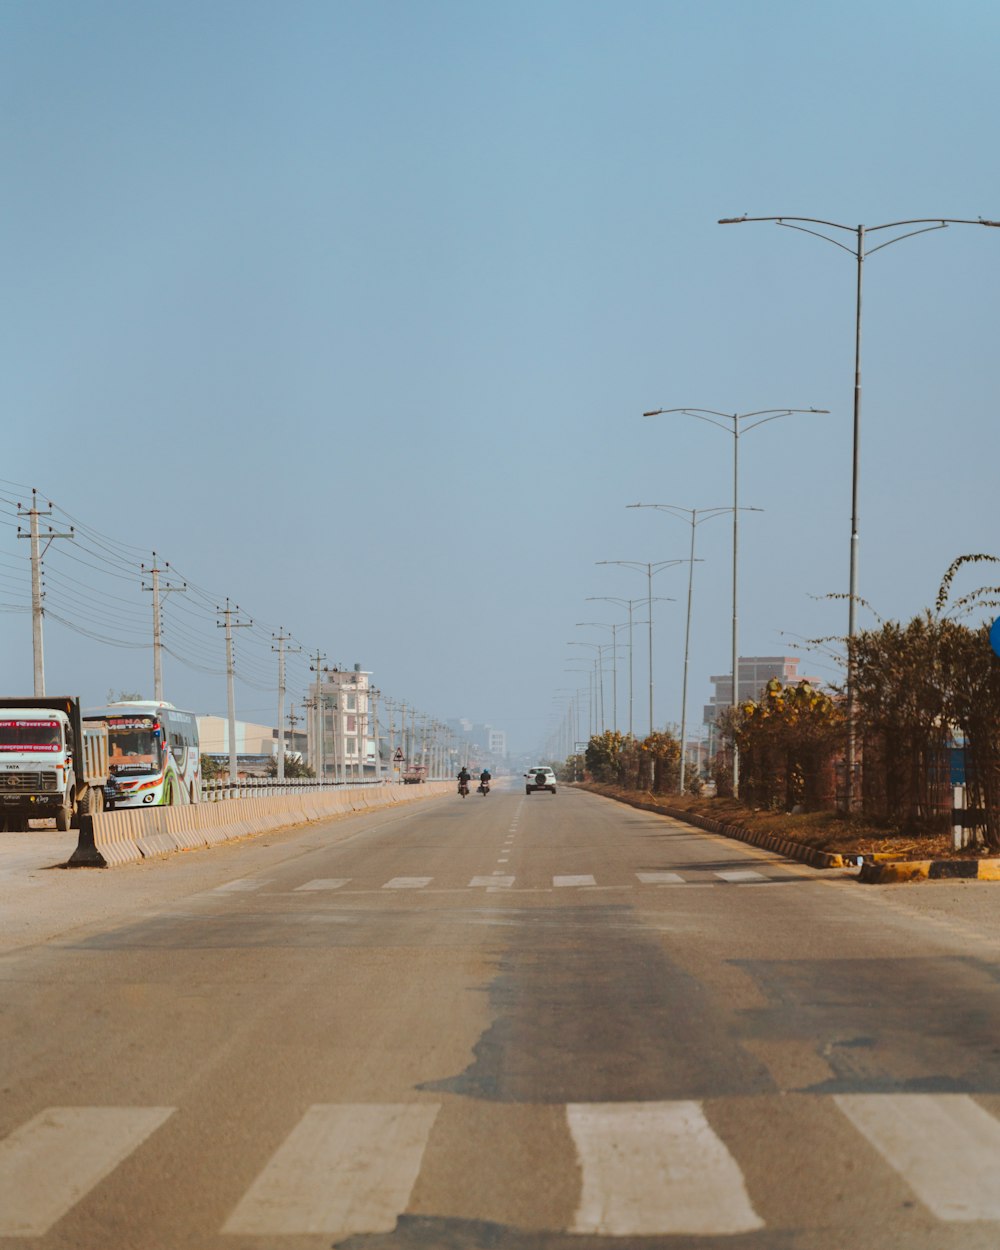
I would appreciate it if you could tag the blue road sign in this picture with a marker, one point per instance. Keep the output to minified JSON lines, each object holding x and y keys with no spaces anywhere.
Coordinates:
{"x":995,"y":635}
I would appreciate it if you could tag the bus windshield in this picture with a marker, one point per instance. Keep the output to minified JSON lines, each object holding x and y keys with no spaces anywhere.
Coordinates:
{"x":30,"y":735}
{"x":133,"y":744}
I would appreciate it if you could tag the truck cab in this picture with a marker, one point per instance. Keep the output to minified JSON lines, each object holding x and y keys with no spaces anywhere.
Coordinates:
{"x":49,"y":767}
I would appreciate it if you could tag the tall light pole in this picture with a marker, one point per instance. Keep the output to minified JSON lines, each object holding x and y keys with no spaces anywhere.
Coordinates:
{"x":760,"y":417}
{"x":614,"y":627}
{"x":651,"y":568}
{"x":706,"y":514}
{"x":859,"y":251}
{"x":600,"y":648}
{"x":590,"y":670}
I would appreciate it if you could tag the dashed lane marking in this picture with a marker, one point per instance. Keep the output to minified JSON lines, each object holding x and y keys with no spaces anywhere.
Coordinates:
{"x":563,"y":882}
{"x":323,"y":883}
{"x":407,"y":883}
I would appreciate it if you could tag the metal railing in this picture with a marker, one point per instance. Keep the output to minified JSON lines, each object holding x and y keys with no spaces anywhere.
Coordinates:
{"x":253,"y":787}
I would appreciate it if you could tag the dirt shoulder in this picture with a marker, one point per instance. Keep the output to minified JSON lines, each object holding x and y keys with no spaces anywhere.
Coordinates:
{"x":823,"y":831}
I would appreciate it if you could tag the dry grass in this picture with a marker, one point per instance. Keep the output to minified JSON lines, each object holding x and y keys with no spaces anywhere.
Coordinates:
{"x":826,"y":831}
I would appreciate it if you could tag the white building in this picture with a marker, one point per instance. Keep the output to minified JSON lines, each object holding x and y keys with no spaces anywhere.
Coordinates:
{"x":342,"y":724}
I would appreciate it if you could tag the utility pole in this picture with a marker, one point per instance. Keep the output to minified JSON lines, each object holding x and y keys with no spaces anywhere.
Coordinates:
{"x":374,"y":694}
{"x":317,"y":667}
{"x":158,"y":590}
{"x":293,"y":720}
{"x":229,"y":625}
{"x":281,"y":638}
{"x":37,"y":648}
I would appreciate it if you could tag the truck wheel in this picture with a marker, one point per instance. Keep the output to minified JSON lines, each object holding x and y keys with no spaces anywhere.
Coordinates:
{"x":92,"y":801}
{"x":63,"y":816}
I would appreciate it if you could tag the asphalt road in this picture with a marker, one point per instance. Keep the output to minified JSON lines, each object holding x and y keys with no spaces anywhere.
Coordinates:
{"x":512,"y":1022}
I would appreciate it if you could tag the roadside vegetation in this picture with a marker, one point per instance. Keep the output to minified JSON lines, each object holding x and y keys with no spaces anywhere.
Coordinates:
{"x":927,"y":717}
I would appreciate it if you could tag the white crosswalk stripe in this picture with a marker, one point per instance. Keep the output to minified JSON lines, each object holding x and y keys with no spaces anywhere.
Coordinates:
{"x":50,"y":1163}
{"x":655,"y":1168}
{"x":564,"y":881}
{"x":646,"y":1168}
{"x":945,"y":1146}
{"x":343,"y":1170}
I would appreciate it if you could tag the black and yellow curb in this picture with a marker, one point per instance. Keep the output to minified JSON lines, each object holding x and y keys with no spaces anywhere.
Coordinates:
{"x":756,"y":837}
{"x":930,"y":870}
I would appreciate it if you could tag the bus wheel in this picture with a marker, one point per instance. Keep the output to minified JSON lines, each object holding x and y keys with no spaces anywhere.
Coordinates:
{"x":168,"y":794}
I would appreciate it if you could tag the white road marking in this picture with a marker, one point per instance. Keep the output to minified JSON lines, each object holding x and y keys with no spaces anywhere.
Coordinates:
{"x":323,"y":883}
{"x":407,"y":883}
{"x":568,"y":881}
{"x":655,"y":1168}
{"x":737,"y":875}
{"x":660,"y":878}
{"x":239,"y":887}
{"x":343,"y":1169}
{"x":495,"y":879}
{"x":50,"y":1163}
{"x":945,"y":1146}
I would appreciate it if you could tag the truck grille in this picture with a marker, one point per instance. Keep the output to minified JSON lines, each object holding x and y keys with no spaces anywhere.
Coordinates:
{"x":27,"y":783}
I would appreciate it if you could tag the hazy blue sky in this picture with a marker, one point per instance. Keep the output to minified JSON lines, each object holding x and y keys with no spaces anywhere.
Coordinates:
{"x":351,"y":310}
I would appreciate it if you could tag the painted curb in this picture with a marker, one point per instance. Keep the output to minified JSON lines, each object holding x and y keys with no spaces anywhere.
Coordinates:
{"x":930,"y":870}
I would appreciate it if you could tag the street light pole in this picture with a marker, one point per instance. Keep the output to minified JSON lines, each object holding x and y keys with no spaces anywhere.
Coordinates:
{"x":651,"y":567}
{"x":859,"y":252}
{"x":760,"y":417}
{"x":683,"y":513}
{"x":614,"y":661}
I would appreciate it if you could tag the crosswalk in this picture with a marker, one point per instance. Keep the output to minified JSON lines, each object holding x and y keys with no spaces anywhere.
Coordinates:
{"x":641,"y":1168}
{"x":503,"y":880}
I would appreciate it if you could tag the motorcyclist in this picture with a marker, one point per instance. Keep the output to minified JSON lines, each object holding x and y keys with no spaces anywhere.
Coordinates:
{"x":464,"y":777}
{"x":484,"y":777}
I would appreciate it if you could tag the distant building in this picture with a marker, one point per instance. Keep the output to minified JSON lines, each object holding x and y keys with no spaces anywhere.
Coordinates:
{"x":755,"y":671}
{"x":482,"y":744}
{"x":342,"y":728}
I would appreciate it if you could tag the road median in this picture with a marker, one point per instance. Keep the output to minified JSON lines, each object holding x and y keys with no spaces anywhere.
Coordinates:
{"x":111,"y":839}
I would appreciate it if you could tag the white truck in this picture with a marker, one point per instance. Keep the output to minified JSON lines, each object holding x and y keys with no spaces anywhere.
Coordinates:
{"x":50,"y":764}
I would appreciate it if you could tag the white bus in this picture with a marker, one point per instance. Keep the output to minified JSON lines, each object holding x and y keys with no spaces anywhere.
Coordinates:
{"x":154,"y":754}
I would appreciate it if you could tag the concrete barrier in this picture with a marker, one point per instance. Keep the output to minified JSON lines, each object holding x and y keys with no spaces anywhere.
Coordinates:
{"x":109,"y":839}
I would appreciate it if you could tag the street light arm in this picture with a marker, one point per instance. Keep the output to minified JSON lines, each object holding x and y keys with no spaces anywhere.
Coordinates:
{"x":909,"y":235}
{"x":703,"y":414}
{"x":776,"y":416}
{"x":851,"y":251}
{"x":675,"y":509}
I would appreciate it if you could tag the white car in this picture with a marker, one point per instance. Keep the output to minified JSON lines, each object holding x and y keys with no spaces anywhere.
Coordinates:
{"x":540,"y":778}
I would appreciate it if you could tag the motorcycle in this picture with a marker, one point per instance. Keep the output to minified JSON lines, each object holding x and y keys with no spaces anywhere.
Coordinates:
{"x":484,"y":788}
{"x":463,"y":788}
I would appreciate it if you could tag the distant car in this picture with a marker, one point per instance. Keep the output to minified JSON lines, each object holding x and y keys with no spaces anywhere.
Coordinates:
{"x":539,"y":778}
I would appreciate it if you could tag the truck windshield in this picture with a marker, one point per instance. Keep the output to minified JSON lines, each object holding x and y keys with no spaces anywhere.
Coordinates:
{"x":30,"y":735}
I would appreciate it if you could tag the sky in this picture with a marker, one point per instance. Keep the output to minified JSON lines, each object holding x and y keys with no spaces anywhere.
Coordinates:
{"x":350,"y":312}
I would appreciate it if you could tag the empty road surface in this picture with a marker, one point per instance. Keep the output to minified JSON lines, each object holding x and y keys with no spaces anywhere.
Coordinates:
{"x":508,"y":1022}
